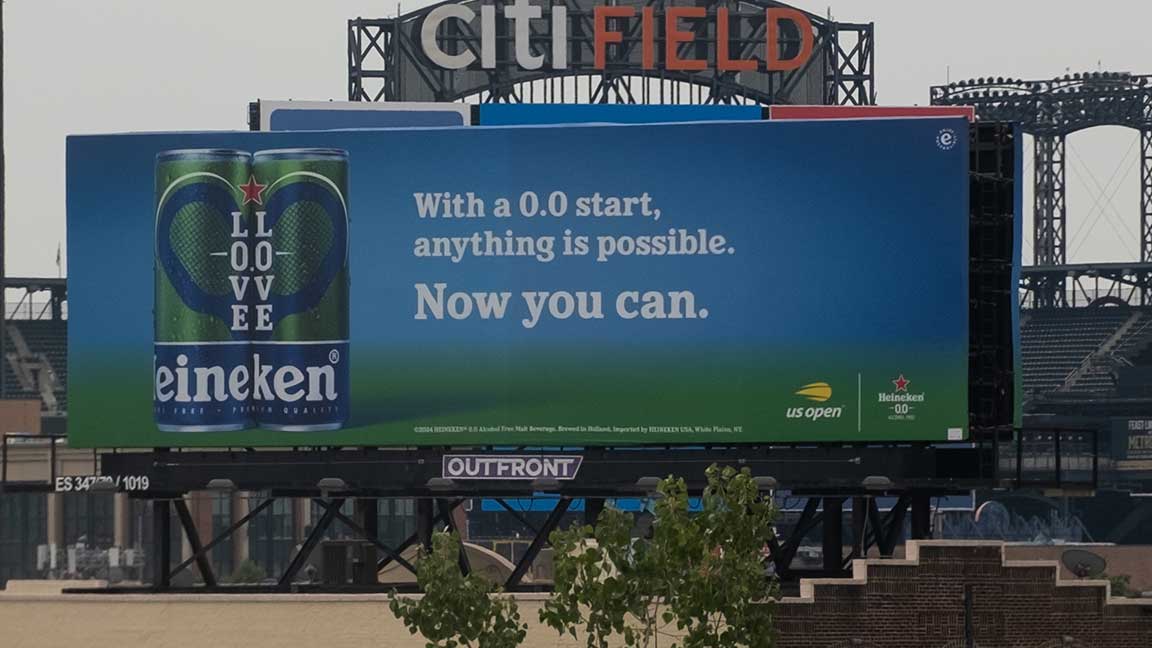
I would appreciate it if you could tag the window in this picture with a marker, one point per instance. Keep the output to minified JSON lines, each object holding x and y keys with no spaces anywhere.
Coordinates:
{"x":222,"y":562}
{"x":271,"y":536}
{"x":23,"y":528}
{"x":397,"y":520}
{"x":88,"y":518}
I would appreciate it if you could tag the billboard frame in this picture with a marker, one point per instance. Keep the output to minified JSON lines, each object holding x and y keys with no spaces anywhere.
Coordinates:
{"x":912,"y":472}
{"x":260,"y":111}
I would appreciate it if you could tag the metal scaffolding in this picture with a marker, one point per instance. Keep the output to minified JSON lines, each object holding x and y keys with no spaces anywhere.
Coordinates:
{"x":385,"y":62}
{"x":1050,"y":110}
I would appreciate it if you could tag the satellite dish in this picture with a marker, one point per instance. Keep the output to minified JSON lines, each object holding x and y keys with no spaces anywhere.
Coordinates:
{"x":1084,"y":564}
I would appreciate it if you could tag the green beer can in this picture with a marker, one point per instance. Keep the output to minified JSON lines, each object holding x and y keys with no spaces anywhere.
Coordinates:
{"x":203,"y":286}
{"x":300,"y":251}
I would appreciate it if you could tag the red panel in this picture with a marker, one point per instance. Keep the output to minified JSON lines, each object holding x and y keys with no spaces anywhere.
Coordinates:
{"x":868,"y":112}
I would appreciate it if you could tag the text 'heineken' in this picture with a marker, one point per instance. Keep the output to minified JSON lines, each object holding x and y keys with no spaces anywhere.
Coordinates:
{"x":251,"y":310}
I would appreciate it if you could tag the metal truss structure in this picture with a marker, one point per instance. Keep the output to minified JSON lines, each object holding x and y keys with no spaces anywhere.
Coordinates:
{"x":1050,"y":110}
{"x":825,"y":476}
{"x":385,"y":62}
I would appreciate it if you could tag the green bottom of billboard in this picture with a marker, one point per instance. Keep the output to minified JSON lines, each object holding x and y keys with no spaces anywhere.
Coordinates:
{"x":592,"y":396}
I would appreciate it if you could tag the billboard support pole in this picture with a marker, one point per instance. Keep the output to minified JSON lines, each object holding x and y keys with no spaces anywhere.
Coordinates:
{"x":425,"y":521}
{"x":921,"y":516}
{"x":593,"y":506}
{"x":888,"y":537}
{"x":367,"y":514}
{"x":859,"y":527}
{"x":833,"y":534}
{"x":162,"y":543}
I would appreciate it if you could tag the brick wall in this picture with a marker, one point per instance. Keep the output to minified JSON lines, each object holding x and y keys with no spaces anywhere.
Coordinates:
{"x":920,"y":603}
{"x":913,"y":603}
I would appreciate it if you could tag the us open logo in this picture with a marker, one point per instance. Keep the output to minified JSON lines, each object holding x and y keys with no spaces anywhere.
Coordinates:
{"x":560,"y":467}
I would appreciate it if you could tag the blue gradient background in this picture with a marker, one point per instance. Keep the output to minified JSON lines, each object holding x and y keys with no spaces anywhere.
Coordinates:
{"x":296,"y":119}
{"x":848,"y":234}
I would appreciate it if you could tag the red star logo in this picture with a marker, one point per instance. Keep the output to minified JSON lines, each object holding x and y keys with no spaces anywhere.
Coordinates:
{"x":901,"y":383}
{"x":252,"y":191}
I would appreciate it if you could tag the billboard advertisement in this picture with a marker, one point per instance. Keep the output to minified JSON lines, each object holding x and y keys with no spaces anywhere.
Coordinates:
{"x":1132,"y":439}
{"x":329,"y":115}
{"x":747,"y":282}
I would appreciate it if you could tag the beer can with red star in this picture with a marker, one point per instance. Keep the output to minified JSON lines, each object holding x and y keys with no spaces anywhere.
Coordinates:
{"x":204,"y":289}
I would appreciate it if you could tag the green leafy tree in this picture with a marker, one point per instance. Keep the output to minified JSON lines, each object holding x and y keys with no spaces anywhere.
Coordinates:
{"x":698,"y":581}
{"x":457,"y":611}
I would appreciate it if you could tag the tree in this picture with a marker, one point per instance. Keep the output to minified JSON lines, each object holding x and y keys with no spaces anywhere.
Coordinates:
{"x":457,"y":611}
{"x":699,"y":579}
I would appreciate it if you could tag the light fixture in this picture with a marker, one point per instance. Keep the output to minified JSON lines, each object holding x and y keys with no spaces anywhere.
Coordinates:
{"x":332,"y":484}
{"x":766,"y":483}
{"x":650,"y":485}
{"x":222,"y":485}
{"x":440,"y":484}
{"x":877,"y":483}
{"x":545,"y":484}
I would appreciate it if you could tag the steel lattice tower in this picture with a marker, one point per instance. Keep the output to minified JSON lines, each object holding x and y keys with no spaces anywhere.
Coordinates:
{"x":1050,"y":110}
{"x":385,"y":64}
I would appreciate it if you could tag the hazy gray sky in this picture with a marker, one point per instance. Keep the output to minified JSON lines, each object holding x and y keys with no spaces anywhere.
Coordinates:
{"x":144,"y":65}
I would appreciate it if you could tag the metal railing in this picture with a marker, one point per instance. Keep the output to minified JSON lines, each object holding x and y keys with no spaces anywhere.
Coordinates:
{"x":1050,"y":458}
{"x":32,"y":309}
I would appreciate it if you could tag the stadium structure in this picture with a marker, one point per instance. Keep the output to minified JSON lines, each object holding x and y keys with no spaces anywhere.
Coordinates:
{"x":1085,"y":343}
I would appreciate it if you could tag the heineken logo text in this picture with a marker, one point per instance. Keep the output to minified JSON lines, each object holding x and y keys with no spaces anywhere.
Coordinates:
{"x":263,"y":382}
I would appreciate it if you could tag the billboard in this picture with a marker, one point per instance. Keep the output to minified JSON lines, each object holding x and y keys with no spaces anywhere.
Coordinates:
{"x":720,"y":282}
{"x":328,"y":115}
{"x":1131,"y":439}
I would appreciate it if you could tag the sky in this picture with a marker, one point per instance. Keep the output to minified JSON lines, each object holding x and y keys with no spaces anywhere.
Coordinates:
{"x":144,"y":65}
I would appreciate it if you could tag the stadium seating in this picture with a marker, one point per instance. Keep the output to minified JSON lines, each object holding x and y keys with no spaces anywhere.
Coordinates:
{"x":46,"y":339}
{"x":1076,"y":349}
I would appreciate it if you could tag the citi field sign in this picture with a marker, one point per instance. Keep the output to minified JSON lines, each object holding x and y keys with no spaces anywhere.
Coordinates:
{"x":667,"y":37}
